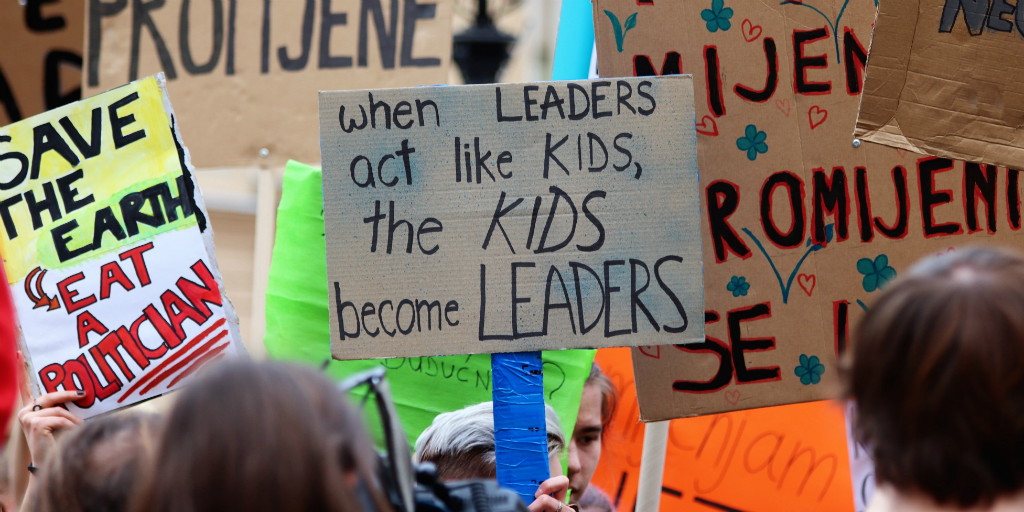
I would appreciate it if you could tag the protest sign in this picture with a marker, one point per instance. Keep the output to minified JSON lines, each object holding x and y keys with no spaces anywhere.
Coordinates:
{"x":244,"y":75}
{"x":802,"y":227}
{"x":40,"y":56}
{"x":422,"y":387}
{"x":108,"y":252}
{"x":941,"y":83}
{"x":775,"y":459}
{"x":431,"y":244}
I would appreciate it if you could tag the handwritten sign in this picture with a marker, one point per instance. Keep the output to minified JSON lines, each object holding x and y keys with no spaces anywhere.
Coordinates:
{"x":940,"y":82}
{"x":107,"y":250}
{"x":511,"y":218}
{"x":244,"y":75}
{"x":802,"y":228}
{"x":41,"y":57}
{"x":775,"y":459}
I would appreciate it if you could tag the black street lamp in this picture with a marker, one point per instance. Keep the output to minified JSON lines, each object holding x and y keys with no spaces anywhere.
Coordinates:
{"x":482,"y":49}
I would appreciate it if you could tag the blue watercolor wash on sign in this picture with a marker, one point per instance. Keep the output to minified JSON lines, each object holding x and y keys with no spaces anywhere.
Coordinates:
{"x":717,"y":17}
{"x":752,"y":142}
{"x":877,"y":273}
{"x":810,"y":370}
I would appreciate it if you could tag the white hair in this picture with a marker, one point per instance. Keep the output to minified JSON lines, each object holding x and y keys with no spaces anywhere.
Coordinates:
{"x":470,"y":432}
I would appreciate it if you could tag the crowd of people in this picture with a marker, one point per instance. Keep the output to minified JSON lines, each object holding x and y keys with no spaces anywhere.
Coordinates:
{"x":265,"y":437}
{"x":936,"y":369}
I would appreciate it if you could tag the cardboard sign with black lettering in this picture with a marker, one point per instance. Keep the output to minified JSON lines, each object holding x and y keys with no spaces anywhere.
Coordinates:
{"x":108,"y":252}
{"x":942,"y":80}
{"x":40,"y":56}
{"x":513,"y":217}
{"x":802,"y":227}
{"x":244,"y":75}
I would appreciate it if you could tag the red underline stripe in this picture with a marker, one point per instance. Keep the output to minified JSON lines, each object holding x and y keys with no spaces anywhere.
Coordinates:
{"x":201,"y":362}
{"x":184,"y":362}
{"x":180,"y":352}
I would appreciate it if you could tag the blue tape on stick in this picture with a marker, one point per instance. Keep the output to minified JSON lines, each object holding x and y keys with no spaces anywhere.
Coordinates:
{"x":520,"y":429}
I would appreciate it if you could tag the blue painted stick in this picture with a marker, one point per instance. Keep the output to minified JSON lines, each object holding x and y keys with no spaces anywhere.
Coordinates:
{"x":520,"y":428}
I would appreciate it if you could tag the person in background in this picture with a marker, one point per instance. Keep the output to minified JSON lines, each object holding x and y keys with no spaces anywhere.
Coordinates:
{"x":937,"y":373}
{"x":95,"y":468}
{"x":594,"y":500}
{"x":461,"y":445}
{"x":597,"y":407}
{"x":267,"y":437}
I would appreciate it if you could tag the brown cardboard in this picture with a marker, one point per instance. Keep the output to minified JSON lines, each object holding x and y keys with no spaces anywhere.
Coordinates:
{"x":805,"y":131}
{"x":542,"y":206}
{"x":245,"y":100}
{"x":943,"y":80}
{"x":40,"y":56}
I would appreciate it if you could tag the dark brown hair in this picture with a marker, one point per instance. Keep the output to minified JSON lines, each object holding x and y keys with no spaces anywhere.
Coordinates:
{"x":261,"y":438}
{"x":609,"y":395}
{"x":937,"y":373}
{"x":96,"y":467}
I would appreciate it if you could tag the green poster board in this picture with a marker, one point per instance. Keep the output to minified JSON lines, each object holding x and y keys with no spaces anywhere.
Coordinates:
{"x":422,"y":387}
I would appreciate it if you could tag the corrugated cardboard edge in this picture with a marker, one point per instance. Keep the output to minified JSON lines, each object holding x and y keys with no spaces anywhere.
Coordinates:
{"x":884,"y":72}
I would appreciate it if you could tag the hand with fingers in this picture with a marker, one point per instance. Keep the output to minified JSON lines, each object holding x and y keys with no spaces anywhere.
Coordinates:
{"x":43,"y":417}
{"x":550,"y":495}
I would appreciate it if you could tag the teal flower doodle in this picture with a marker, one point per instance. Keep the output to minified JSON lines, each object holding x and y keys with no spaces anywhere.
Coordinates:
{"x":752,"y":142}
{"x":717,"y":17}
{"x":810,"y":370}
{"x":738,"y":286}
{"x":877,"y":273}
{"x":620,"y":31}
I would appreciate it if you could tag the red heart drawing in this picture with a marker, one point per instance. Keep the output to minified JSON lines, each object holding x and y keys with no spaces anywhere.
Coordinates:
{"x":750,"y":31}
{"x":707,"y":126}
{"x":784,"y":106}
{"x":732,"y":396}
{"x":817,"y":116}
{"x":901,"y":152}
{"x":655,"y":351}
{"x":951,"y":249}
{"x":804,"y":279}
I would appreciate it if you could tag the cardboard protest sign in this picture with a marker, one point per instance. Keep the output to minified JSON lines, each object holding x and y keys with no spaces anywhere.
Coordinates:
{"x":244,"y":75}
{"x":40,"y":56}
{"x":108,"y":252}
{"x":422,"y":387}
{"x":776,"y":459}
{"x":431,"y":244}
{"x":941,"y":83}
{"x":801,"y":227}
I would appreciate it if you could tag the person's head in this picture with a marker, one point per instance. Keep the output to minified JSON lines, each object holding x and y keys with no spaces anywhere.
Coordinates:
{"x":937,"y":372}
{"x":597,"y":406}
{"x":97,"y":466}
{"x":461,"y":443}
{"x":264,"y":437}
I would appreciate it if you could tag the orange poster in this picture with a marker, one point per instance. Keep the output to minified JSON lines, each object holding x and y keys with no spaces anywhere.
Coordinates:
{"x":789,"y":458}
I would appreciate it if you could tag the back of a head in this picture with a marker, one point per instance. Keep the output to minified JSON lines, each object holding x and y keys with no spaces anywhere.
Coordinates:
{"x":938,"y":376}
{"x":461,"y":443}
{"x":97,"y":466}
{"x":254,"y":437}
